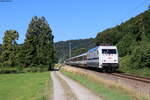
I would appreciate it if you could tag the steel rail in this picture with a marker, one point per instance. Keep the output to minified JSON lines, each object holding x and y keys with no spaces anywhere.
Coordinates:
{"x":133,"y":77}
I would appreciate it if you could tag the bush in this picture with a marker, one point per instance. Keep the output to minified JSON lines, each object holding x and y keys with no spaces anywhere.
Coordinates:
{"x":141,"y":56}
{"x":19,"y":69}
{"x":125,"y":64}
{"x":4,"y":70}
{"x":36,"y":69}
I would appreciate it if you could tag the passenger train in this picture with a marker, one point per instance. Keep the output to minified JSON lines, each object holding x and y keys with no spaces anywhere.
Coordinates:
{"x":102,"y":57}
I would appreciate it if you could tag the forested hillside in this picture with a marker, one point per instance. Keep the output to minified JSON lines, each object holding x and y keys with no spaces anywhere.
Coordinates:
{"x":133,"y":41}
{"x":77,"y":47}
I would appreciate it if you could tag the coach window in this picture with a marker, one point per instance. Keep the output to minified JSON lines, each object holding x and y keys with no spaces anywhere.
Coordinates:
{"x":77,"y":59}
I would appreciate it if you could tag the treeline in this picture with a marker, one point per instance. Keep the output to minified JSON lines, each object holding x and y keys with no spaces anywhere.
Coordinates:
{"x":37,"y":51}
{"x":77,"y":47}
{"x":132,"y":39}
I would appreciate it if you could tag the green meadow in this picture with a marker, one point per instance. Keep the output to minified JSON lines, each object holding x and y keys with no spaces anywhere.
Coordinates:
{"x":28,"y":86}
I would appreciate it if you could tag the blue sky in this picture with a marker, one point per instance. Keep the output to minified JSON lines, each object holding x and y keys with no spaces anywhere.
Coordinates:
{"x":69,"y":19}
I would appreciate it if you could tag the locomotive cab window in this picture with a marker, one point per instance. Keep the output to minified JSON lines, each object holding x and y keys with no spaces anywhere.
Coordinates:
{"x":109,"y":51}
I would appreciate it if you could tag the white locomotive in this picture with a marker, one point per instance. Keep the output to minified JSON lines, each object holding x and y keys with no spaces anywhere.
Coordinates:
{"x":101,"y":57}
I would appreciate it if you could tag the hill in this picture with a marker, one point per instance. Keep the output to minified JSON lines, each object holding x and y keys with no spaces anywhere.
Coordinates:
{"x":77,"y":47}
{"x":133,"y":41}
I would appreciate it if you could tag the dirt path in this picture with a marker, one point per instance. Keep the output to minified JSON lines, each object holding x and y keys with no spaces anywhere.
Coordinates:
{"x":68,"y":89}
{"x":59,"y":92}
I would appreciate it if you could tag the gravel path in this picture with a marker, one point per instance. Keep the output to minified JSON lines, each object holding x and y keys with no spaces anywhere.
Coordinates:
{"x":59,"y":92}
{"x":76,"y":91}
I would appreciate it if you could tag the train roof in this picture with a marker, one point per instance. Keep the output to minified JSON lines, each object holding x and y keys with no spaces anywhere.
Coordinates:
{"x":78,"y":56}
{"x":93,"y":49}
{"x":103,"y":46}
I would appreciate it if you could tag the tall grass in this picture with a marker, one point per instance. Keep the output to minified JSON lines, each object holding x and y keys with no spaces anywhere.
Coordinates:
{"x":104,"y":91}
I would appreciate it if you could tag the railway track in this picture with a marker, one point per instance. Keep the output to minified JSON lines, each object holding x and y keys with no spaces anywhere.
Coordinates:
{"x":123,"y":75}
{"x":138,"y":85}
{"x":133,"y":77}
{"x":127,"y":76}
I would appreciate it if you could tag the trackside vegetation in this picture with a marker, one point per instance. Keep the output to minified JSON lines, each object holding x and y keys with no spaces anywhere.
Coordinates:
{"x":133,"y":41}
{"x":105,"y":92}
{"x":28,"y":86}
{"x":37,"y":51}
{"x":125,"y":62}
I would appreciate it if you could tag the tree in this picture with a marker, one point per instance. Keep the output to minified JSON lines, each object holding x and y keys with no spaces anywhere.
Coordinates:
{"x":79,"y":51}
{"x":0,"y":49}
{"x":20,"y":57}
{"x":141,"y":56}
{"x":126,"y":45}
{"x":148,"y":7}
{"x":39,"y":43}
{"x":9,"y":48}
{"x":0,"y":54}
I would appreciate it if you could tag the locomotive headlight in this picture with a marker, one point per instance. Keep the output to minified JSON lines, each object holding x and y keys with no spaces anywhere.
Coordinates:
{"x":115,"y":60}
{"x":104,"y":60}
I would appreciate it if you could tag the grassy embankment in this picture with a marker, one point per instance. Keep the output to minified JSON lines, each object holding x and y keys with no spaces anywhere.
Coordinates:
{"x":126,"y":66}
{"x":28,"y":86}
{"x":105,"y":91}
